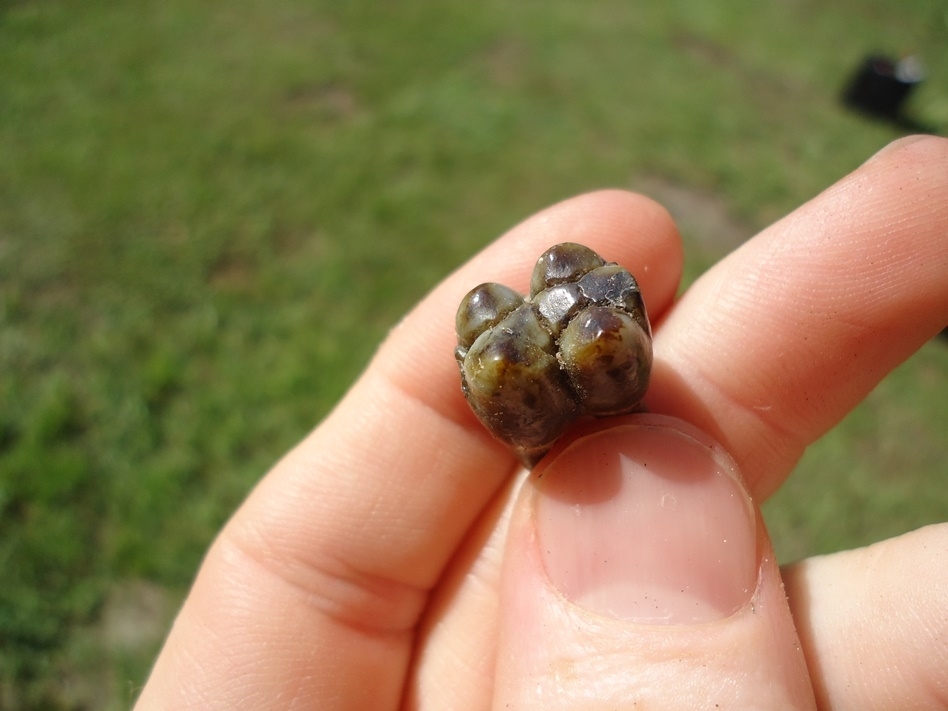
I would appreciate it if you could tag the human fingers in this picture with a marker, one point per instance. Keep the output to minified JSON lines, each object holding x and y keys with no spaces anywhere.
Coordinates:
{"x":776,"y":343}
{"x":316,"y":584}
{"x":618,"y":538}
{"x":638,"y":574}
{"x":874,"y":623}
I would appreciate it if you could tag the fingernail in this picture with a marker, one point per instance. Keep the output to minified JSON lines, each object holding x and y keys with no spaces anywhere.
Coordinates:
{"x":647,"y":522}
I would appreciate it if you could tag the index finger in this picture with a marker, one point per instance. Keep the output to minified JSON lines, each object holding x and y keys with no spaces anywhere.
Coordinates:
{"x":316,"y":584}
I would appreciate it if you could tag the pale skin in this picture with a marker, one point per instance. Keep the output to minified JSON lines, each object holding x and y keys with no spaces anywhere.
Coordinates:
{"x":398,"y":558}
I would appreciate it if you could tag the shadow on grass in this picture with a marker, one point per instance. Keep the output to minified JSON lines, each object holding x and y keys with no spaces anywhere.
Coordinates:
{"x":907,"y":125}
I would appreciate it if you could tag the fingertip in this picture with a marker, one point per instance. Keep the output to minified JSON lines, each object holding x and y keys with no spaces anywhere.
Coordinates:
{"x":871,"y":622}
{"x":915,"y":147}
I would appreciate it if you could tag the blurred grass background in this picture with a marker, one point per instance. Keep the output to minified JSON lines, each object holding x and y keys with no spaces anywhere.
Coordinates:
{"x":210,"y":214}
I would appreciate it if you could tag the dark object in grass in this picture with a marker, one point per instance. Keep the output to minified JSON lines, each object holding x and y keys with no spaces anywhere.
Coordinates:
{"x":881,"y":86}
{"x":579,"y":345}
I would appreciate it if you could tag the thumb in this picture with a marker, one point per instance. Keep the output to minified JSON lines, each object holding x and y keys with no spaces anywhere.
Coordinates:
{"x":638,"y":574}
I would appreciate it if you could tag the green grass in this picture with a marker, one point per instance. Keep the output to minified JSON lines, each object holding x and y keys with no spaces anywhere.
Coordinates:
{"x":210,"y":213}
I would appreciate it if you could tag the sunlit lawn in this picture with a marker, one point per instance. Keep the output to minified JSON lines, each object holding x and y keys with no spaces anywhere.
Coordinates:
{"x":210,"y":213}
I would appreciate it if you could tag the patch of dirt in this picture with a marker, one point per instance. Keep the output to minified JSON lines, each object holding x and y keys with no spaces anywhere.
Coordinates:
{"x":702,"y":217}
{"x":232,"y":274}
{"x":505,"y":62}
{"x":135,"y":618}
{"x":330,"y":102}
{"x":775,"y":94}
{"x":704,"y":49}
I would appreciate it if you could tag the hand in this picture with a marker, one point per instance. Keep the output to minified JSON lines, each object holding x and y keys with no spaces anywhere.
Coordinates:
{"x":397,"y":558}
